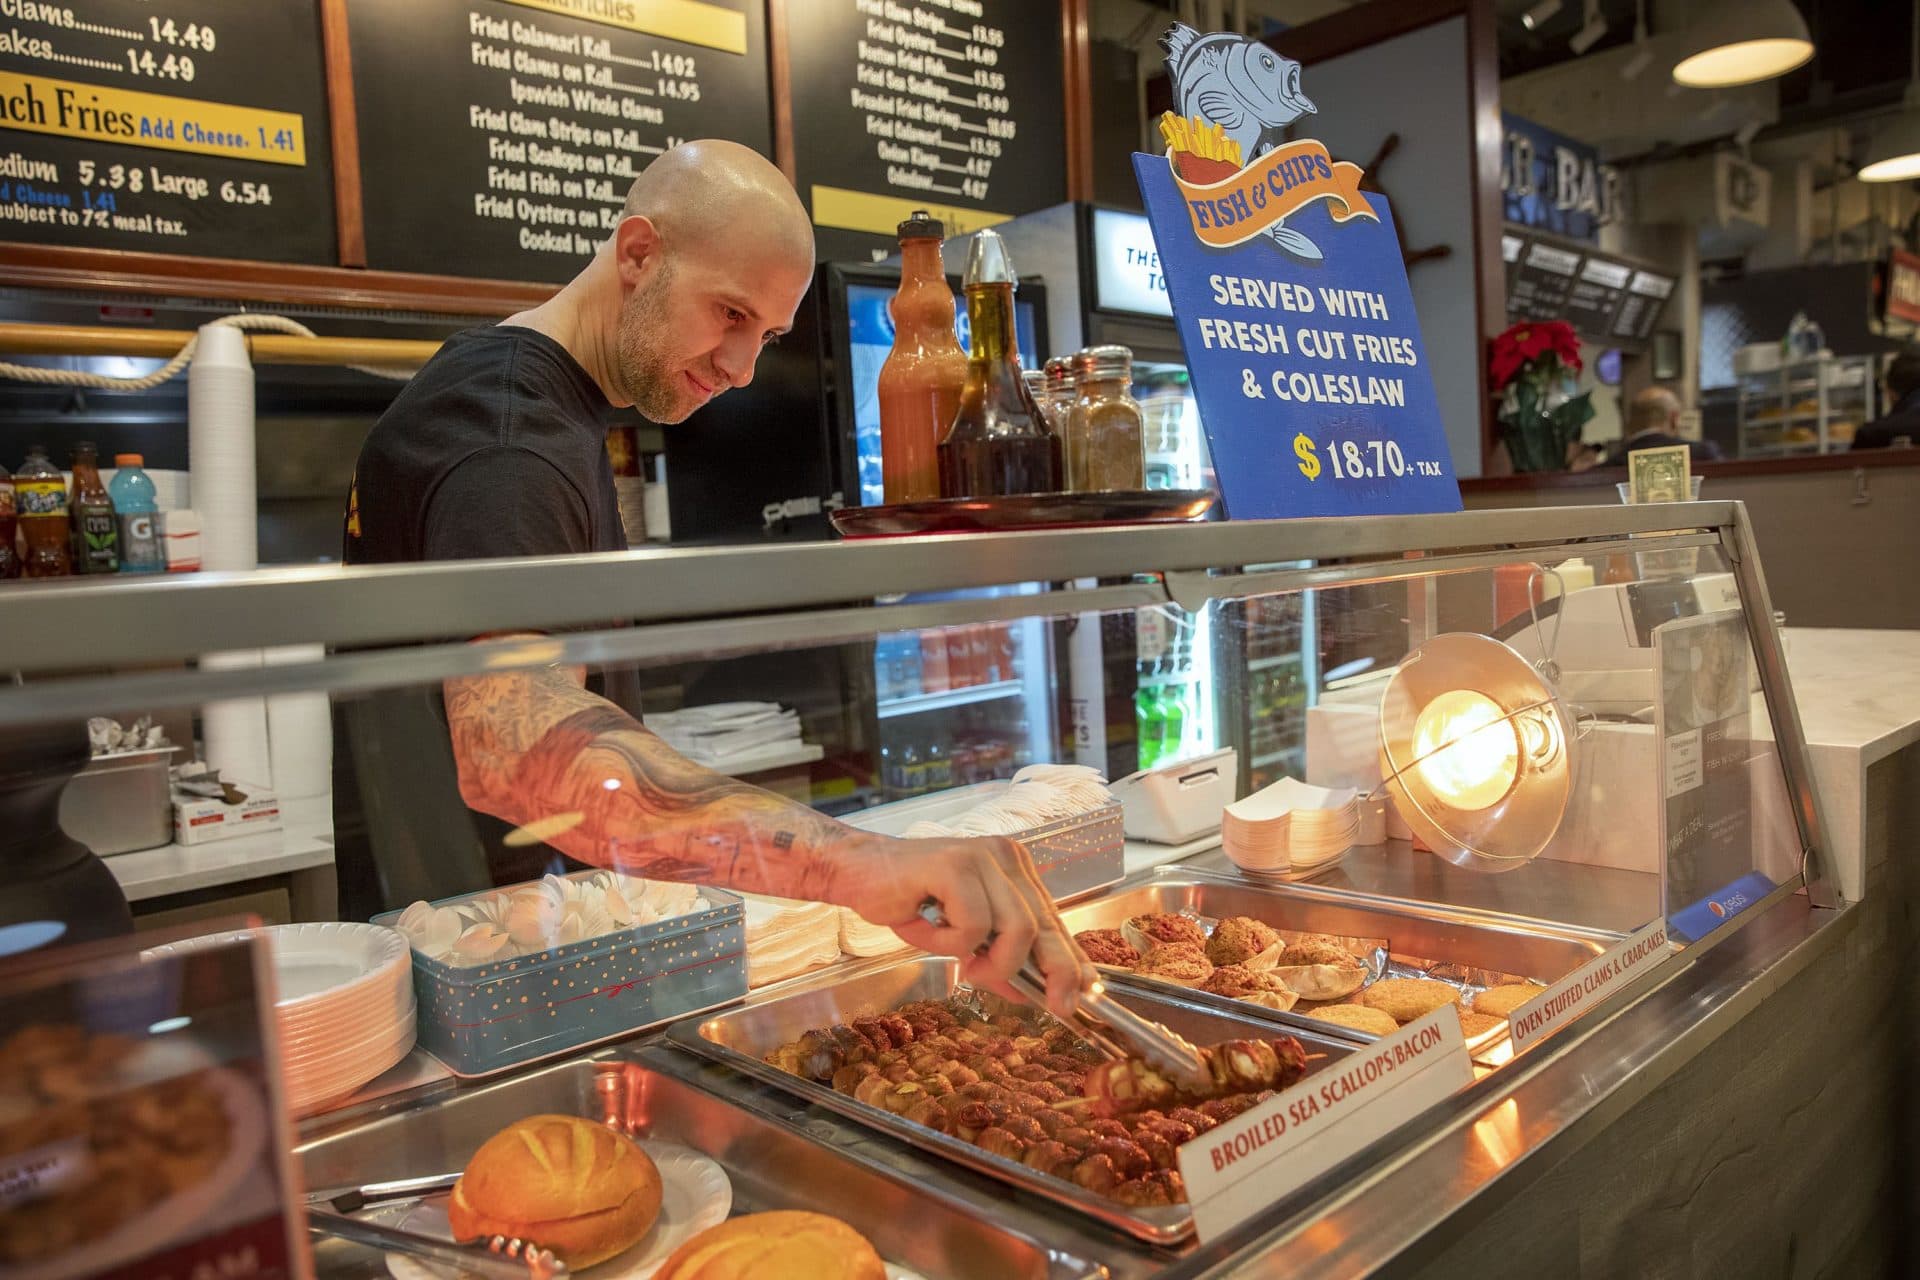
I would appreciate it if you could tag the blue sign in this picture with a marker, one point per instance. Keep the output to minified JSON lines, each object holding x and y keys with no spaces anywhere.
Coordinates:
{"x":1694,"y":922}
{"x":1292,"y":303}
{"x":1555,"y":183}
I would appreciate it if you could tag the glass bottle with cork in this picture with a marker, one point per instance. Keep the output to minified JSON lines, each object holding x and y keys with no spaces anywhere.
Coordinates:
{"x":96,"y":533}
{"x":919,"y":388}
{"x":999,"y":443}
{"x":1105,"y":432}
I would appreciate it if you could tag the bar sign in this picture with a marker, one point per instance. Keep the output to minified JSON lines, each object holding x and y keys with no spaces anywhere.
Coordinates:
{"x":1591,"y":983}
{"x":1236,"y":1170}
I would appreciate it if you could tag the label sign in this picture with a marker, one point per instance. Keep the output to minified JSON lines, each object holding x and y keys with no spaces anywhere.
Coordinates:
{"x":1236,"y":1170}
{"x":1586,"y":986}
{"x":1126,"y":265}
{"x":191,"y":128}
{"x":1903,"y":286}
{"x":1696,"y":921}
{"x":1309,"y":373}
{"x":1554,"y":182}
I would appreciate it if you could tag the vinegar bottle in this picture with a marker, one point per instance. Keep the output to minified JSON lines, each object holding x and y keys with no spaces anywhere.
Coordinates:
{"x":920,"y":382}
{"x":999,"y":443}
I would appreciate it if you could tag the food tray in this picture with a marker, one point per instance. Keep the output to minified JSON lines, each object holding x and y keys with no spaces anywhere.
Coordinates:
{"x":740,"y":1038}
{"x":1074,"y":856}
{"x":770,"y":1165}
{"x":1468,"y":949}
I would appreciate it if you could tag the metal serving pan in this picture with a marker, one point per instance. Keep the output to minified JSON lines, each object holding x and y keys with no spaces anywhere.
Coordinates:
{"x":742,"y":1037}
{"x":770,"y":1165}
{"x":1463,"y":940}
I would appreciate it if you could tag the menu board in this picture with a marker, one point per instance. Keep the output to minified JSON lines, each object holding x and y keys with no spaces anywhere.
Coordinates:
{"x":954,"y":106}
{"x":1646,"y":295}
{"x":1538,"y":284}
{"x":499,"y":137}
{"x":1596,"y":295}
{"x":166,"y":126}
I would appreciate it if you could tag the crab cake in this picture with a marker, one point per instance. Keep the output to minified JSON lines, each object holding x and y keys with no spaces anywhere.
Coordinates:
{"x":1404,"y":999}
{"x":1107,"y":946}
{"x":1252,"y":985}
{"x":1182,"y":962}
{"x":1317,"y":949}
{"x":1239,"y":939}
{"x":1502,"y":1001}
{"x":1162,"y":927}
{"x":1357,"y":1016}
{"x":1478,"y":1024}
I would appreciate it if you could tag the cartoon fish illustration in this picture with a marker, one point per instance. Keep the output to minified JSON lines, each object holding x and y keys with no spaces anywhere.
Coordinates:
{"x":1245,"y":88}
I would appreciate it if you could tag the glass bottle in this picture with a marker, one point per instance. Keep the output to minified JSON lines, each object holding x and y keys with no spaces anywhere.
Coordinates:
{"x":9,"y":561}
{"x":96,"y":533}
{"x":1037,"y":388}
{"x":920,"y":383}
{"x":1104,"y":433}
{"x":999,"y":443}
{"x":1060,"y":393}
{"x":40,"y":502}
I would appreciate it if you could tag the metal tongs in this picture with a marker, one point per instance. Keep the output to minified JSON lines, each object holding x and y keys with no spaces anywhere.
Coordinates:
{"x":1115,"y":1030}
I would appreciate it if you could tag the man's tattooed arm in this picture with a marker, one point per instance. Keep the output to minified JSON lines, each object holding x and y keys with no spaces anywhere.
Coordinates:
{"x":536,"y":749}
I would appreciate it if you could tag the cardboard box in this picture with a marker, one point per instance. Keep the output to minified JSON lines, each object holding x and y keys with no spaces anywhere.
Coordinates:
{"x":204,"y":819}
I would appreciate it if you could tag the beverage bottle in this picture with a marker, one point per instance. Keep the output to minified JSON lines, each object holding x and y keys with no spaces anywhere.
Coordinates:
{"x":96,"y":534}
{"x":939,"y":766}
{"x":888,"y":782}
{"x":920,"y":382}
{"x":986,"y":653}
{"x":1003,"y":641}
{"x":1146,"y":716}
{"x":913,"y":770}
{"x":1173,"y":720}
{"x":959,"y":659}
{"x":933,"y":662}
{"x":999,"y":443}
{"x":134,"y":507}
{"x":909,"y":649}
{"x":9,"y":561}
{"x":40,"y":504}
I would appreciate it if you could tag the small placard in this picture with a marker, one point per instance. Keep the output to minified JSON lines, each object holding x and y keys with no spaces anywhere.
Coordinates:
{"x":1236,"y":1170}
{"x":1586,"y":986}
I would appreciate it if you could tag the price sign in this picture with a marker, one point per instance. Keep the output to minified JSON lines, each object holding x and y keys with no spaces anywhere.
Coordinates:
{"x":1292,"y":302}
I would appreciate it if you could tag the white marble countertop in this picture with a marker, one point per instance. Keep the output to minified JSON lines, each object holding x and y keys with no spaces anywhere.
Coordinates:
{"x":305,"y":840}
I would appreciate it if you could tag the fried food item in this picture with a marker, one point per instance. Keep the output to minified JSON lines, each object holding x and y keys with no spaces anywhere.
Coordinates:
{"x":1251,"y":985}
{"x":1357,"y":1016}
{"x":1182,"y":962}
{"x":1238,"y":939}
{"x":1404,"y":999}
{"x":1163,"y":927}
{"x":1108,"y":946}
{"x":1317,"y":948}
{"x":1502,"y":1001}
{"x":1322,"y":981}
{"x":1477,"y":1024}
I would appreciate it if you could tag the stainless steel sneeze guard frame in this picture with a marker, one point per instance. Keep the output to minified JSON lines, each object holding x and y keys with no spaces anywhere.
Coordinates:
{"x":740,"y":1037}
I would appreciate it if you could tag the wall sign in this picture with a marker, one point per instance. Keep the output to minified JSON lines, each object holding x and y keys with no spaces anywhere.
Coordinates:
{"x":954,"y":106}
{"x":1291,"y":299}
{"x":1556,"y":183}
{"x":1903,"y":287}
{"x":499,"y":136}
{"x":190,"y":128}
{"x":1236,"y":1170}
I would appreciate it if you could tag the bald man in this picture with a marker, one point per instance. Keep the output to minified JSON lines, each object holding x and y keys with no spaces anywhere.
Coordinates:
{"x":497,"y":448}
{"x":1653,"y":422}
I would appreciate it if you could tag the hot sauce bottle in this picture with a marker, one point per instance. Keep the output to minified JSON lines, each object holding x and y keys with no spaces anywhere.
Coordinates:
{"x":999,"y":443}
{"x":920,"y":382}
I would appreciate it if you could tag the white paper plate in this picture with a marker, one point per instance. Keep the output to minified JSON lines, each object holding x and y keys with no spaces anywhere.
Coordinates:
{"x":306,"y":1091}
{"x":319,"y":962}
{"x":149,"y":1232}
{"x":694,"y":1194}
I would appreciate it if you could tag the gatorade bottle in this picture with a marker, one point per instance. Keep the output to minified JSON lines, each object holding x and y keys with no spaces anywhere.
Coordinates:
{"x":96,"y":535}
{"x":9,"y":562}
{"x":40,"y":501}
{"x":135,"y":507}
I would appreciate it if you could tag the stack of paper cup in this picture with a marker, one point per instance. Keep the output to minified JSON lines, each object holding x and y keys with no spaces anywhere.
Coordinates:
{"x":1290,"y":828}
{"x":220,"y":449}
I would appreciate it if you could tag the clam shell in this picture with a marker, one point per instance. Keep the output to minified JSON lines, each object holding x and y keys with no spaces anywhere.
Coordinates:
{"x":1321,"y":981}
{"x":479,"y":944}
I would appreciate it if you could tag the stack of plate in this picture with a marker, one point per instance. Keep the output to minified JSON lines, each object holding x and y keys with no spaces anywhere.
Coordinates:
{"x":1290,"y":829}
{"x":345,"y":1005}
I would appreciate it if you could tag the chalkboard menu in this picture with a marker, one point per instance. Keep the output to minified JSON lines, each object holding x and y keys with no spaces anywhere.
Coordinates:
{"x":1539,"y":282}
{"x":1595,"y":295}
{"x":167,"y":126}
{"x":956,"y":106}
{"x":498,"y":137}
{"x":1640,"y":309}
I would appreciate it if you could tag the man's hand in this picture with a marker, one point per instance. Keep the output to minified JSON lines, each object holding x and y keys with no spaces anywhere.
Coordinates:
{"x":990,"y":895}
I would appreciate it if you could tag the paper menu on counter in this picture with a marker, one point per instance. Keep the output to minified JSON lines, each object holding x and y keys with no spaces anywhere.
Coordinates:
{"x":1236,"y":1170}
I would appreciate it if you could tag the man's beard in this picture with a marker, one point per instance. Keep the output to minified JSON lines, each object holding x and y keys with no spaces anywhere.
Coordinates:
{"x":644,"y":374}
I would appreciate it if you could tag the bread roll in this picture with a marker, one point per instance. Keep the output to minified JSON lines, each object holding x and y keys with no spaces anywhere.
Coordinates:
{"x":563,"y":1182}
{"x":776,"y":1246}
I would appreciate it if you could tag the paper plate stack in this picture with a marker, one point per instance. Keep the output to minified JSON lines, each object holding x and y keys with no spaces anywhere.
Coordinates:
{"x":345,"y":1006}
{"x":1290,"y":829}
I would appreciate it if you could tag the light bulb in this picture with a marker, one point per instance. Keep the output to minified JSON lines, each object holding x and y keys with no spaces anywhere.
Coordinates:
{"x":1468,"y":752}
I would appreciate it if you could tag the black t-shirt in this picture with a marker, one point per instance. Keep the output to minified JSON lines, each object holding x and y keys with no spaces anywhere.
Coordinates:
{"x":497,"y":447}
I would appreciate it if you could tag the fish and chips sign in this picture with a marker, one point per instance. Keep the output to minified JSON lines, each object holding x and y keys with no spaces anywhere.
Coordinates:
{"x":1291,"y":298}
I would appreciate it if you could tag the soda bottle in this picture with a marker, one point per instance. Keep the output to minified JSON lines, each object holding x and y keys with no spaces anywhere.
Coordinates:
{"x":96,"y":533}
{"x":939,"y":766}
{"x":1173,"y":720}
{"x":920,"y":383}
{"x":959,"y":659}
{"x":9,"y":561}
{"x":999,"y":443}
{"x":40,"y":502}
{"x":934,"y":676}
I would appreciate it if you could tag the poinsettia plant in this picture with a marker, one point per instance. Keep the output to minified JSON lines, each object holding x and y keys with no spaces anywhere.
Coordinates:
{"x":1534,"y":367}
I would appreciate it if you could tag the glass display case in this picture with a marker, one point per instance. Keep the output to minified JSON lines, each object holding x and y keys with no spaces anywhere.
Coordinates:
{"x":1537,"y":776}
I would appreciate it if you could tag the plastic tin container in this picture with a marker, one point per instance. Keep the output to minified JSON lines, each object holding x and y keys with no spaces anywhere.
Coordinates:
{"x":120,"y":803}
{"x":481,"y":1019}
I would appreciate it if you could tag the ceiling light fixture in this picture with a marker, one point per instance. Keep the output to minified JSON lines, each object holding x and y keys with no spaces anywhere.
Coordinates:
{"x":1540,"y":12}
{"x":1642,"y":53}
{"x":1590,"y":30}
{"x":1894,"y":153}
{"x":1736,"y":42}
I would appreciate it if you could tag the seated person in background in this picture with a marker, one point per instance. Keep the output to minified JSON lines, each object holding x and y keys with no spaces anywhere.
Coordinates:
{"x":1902,"y":423}
{"x":1653,"y":423}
